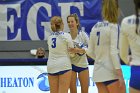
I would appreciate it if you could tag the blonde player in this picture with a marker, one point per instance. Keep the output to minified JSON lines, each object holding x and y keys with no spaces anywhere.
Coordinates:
{"x":130,"y":38}
{"x":79,"y":62}
{"x":40,"y":53}
{"x":103,"y":47}
{"x":59,"y":63}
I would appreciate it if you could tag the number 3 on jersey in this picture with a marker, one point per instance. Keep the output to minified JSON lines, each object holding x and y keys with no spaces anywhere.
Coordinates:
{"x":53,"y":42}
{"x":98,"y":34}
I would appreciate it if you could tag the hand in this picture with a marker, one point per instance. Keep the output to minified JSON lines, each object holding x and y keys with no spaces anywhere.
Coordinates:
{"x":73,"y":50}
{"x":72,"y":54}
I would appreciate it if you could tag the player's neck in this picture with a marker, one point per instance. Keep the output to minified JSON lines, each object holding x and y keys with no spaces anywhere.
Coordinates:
{"x":74,"y":33}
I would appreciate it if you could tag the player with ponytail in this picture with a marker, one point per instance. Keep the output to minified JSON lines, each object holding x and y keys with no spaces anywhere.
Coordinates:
{"x":130,"y":38}
{"x":59,"y":63}
{"x":103,"y":47}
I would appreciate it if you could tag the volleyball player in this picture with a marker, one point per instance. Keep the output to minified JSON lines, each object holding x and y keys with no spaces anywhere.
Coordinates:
{"x":79,"y":62}
{"x":130,"y":38}
{"x":103,"y":47}
{"x":59,"y":63}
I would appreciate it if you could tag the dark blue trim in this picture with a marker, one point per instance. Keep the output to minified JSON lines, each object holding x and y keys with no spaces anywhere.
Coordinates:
{"x":33,"y":61}
{"x":24,"y":60}
{"x":21,"y":62}
{"x":59,"y":73}
{"x":118,"y":37}
{"x":78,"y":69}
{"x":11,"y":1}
{"x":106,"y":83}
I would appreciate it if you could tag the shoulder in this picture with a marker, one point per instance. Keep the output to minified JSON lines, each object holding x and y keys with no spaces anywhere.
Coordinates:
{"x":101,"y":24}
{"x":112,"y":25}
{"x":114,"y":28}
{"x":84,"y":35}
{"x":83,"y":32}
{"x":50,"y":36}
{"x":96,"y":26}
{"x":128,"y":19}
{"x":66,"y":35}
{"x":128,"y":23}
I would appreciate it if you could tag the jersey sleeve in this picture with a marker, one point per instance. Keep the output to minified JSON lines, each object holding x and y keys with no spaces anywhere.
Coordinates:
{"x":91,"y":45}
{"x":114,"y":37}
{"x":70,"y":42}
{"x":85,"y":39}
{"x":123,"y":43}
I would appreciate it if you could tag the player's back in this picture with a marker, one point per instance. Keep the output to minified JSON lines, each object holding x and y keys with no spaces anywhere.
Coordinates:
{"x":105,"y":44}
{"x":58,"y":44}
{"x":105,"y":39}
{"x":128,"y":28}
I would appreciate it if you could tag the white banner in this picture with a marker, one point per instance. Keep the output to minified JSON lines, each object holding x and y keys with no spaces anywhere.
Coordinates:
{"x":34,"y":79}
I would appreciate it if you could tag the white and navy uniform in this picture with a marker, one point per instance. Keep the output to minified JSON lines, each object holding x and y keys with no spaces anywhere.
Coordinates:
{"x":103,"y":48}
{"x":82,"y":41}
{"x":59,"y":58}
{"x":129,"y":39}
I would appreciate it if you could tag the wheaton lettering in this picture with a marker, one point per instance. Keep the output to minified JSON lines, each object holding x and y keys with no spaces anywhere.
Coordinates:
{"x":17,"y":82}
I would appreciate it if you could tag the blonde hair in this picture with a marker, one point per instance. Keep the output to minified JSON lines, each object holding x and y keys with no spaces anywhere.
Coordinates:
{"x":76,"y":19}
{"x":40,"y":49}
{"x":57,"y":23}
{"x":137,"y":7}
{"x":110,"y":10}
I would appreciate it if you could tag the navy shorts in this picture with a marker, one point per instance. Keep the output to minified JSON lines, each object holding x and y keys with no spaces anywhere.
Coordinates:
{"x":106,"y":83}
{"x":59,"y":73}
{"x":135,"y":77}
{"x":78,"y":69}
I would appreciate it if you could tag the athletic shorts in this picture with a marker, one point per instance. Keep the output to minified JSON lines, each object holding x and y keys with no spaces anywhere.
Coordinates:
{"x":78,"y":69}
{"x":106,"y":83}
{"x":59,"y":73}
{"x":135,"y":77}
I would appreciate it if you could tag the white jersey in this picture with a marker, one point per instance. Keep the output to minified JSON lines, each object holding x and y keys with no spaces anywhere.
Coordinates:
{"x":59,"y":58}
{"x":103,"y":47}
{"x":82,"y":41}
{"x":129,"y":38}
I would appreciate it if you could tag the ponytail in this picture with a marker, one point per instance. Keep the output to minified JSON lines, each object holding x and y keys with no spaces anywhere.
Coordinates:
{"x":137,"y":19}
{"x":137,"y":7}
{"x":110,"y":14}
{"x":57,"y":23}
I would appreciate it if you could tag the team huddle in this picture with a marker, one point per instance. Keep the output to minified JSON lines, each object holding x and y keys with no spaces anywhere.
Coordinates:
{"x":107,"y":43}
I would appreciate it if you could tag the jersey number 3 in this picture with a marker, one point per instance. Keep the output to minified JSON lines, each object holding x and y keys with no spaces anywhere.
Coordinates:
{"x":53,"y":42}
{"x":98,"y":34}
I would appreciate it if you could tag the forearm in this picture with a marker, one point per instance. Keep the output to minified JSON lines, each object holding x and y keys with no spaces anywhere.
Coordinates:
{"x":77,"y":50}
{"x":116,"y":60}
{"x":124,"y":48}
{"x":119,"y":73}
{"x":80,"y":50}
